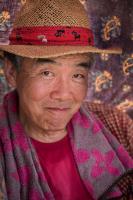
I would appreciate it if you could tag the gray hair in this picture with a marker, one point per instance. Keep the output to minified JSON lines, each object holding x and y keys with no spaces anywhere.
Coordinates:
{"x":15,"y":59}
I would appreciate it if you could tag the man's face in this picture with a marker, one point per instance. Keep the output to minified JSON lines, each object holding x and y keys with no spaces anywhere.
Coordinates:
{"x":51,"y":90}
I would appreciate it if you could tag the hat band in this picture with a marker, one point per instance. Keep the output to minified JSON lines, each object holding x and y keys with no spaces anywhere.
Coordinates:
{"x":52,"y":35}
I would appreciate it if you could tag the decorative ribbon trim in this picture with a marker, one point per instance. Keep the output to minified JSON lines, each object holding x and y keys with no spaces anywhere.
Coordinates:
{"x":48,"y":35}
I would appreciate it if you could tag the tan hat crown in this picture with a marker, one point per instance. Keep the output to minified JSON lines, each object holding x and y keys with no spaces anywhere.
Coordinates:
{"x":52,"y":13}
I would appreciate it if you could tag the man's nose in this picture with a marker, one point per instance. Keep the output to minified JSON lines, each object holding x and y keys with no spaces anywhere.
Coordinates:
{"x":61,"y":90}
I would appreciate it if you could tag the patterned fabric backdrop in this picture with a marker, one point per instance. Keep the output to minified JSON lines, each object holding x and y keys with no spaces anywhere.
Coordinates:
{"x":111,"y":76}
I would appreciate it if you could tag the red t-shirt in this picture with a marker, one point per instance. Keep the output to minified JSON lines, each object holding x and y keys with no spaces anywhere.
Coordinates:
{"x":60,"y":170}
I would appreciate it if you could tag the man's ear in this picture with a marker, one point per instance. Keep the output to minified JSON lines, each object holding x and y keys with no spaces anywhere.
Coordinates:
{"x":10,"y":73}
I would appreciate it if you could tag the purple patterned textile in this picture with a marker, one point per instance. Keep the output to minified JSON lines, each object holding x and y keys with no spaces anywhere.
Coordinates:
{"x":112,"y":75}
{"x":8,"y":11}
{"x":112,"y":23}
{"x":100,"y":159}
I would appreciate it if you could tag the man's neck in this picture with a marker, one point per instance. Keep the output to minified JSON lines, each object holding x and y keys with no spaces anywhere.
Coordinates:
{"x":47,"y":136}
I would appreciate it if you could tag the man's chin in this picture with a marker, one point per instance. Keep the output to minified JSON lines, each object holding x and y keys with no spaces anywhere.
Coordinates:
{"x":55,"y":128}
{"x":57,"y":124}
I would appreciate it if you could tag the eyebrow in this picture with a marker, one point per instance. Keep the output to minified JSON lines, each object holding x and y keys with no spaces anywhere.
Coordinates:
{"x":45,"y":60}
{"x":84,"y":65}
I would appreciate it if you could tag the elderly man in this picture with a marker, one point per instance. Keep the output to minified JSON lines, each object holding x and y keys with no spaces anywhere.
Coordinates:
{"x":53,"y":144}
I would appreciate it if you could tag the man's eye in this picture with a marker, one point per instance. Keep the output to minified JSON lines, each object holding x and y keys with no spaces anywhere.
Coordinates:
{"x":48,"y":74}
{"x":79,"y":76}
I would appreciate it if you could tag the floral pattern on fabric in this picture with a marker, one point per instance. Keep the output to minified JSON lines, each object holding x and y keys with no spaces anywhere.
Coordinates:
{"x":103,"y":162}
{"x":55,"y":35}
{"x":111,"y":81}
{"x":111,"y":28}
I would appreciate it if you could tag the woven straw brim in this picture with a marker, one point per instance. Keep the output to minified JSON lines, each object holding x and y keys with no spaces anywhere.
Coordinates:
{"x":53,"y":51}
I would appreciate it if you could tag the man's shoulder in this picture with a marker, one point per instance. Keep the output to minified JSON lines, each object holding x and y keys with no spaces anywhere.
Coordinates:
{"x":110,"y":115}
{"x":119,"y":123}
{"x":102,"y":110}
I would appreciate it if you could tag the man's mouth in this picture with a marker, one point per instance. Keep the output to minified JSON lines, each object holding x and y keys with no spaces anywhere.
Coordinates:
{"x":58,"y":109}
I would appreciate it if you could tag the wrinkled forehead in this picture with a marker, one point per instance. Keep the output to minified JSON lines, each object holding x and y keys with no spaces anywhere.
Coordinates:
{"x":84,"y":59}
{"x":81,"y":60}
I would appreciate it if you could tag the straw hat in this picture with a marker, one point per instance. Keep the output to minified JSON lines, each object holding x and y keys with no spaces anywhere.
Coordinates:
{"x":50,"y":28}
